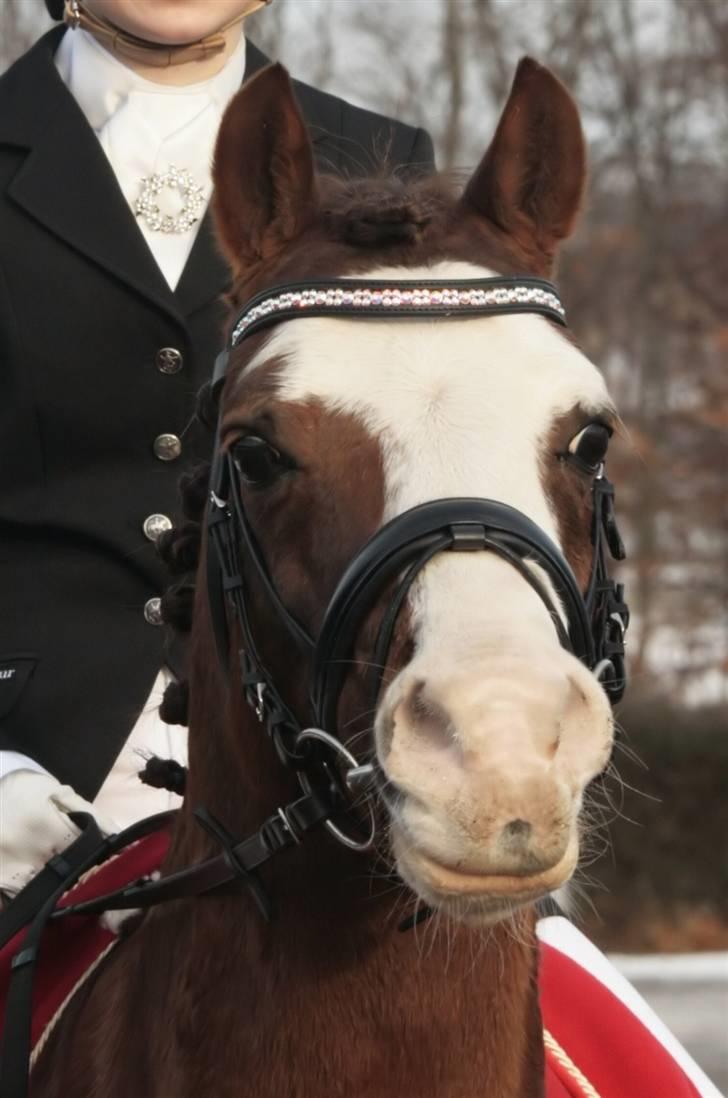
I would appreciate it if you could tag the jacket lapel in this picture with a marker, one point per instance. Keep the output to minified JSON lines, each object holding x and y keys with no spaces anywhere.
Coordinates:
{"x":67,"y":184}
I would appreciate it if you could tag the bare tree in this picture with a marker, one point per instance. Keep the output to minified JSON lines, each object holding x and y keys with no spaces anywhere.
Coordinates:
{"x":21,"y":21}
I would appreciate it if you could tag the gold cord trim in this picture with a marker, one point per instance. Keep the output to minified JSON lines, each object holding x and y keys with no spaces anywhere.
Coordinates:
{"x":568,"y":1064}
{"x":45,"y":1035}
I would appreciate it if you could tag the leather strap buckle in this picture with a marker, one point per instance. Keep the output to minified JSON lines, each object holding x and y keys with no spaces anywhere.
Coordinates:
{"x":251,"y":881}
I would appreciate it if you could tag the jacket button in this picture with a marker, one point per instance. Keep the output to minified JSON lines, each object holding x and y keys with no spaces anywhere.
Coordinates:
{"x":167,"y":447}
{"x":169,"y":360}
{"x":154,"y":525}
{"x":153,"y":611}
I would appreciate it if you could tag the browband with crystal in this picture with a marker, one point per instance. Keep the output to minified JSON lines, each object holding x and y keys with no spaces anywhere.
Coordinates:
{"x":355,"y":297}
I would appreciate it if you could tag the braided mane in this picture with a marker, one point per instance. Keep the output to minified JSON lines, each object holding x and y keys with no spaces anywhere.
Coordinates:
{"x":179,"y":549}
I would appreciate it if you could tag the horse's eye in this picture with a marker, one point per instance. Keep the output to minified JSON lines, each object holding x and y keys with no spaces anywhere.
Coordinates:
{"x":589,"y":447}
{"x":259,"y":463}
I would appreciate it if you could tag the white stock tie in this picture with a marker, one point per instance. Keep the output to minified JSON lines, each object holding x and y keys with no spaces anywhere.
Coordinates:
{"x":160,"y":147}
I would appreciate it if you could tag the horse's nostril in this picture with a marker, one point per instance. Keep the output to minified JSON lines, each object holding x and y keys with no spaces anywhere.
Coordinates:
{"x":417,"y":702}
{"x":430,"y":720}
{"x":517,"y":829}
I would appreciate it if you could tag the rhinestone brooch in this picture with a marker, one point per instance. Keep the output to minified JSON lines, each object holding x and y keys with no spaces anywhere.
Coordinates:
{"x":175,"y":179}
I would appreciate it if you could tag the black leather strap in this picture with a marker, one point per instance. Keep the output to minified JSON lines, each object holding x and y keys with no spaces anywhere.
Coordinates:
{"x":282,"y":830}
{"x":250,"y":544}
{"x":23,"y":908}
{"x":446,"y":524}
{"x":606,"y":607}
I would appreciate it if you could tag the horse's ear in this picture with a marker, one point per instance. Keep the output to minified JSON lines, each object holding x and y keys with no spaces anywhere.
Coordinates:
{"x":531,"y":180}
{"x":265,"y":192}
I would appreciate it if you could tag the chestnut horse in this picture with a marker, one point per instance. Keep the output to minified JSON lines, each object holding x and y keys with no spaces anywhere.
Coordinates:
{"x":486,"y":729}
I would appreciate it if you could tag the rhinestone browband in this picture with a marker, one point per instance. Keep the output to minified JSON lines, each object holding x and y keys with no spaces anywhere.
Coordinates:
{"x":349,"y":296}
{"x":400,"y":298}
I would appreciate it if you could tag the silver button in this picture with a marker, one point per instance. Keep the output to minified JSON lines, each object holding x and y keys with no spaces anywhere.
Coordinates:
{"x":167,"y":447}
{"x":153,"y":611}
{"x":169,"y":360}
{"x":154,"y":525}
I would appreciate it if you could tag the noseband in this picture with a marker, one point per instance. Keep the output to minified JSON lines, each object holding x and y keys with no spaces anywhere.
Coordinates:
{"x":595,"y":621}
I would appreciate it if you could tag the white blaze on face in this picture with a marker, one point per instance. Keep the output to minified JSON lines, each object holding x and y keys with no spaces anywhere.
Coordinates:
{"x":461,"y":408}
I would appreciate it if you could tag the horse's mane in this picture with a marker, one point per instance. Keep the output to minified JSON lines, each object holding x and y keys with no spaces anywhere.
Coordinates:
{"x":384,"y":210}
{"x":179,"y":549}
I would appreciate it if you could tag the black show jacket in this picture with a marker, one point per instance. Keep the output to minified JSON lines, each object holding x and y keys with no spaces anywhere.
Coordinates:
{"x":84,"y":313}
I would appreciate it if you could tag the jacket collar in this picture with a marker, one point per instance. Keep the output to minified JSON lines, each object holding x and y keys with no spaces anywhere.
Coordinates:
{"x":67,"y":184}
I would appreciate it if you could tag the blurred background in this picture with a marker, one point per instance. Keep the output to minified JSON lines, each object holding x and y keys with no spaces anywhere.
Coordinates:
{"x":645,"y":281}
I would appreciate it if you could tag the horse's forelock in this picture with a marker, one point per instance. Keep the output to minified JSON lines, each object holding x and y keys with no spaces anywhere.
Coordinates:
{"x":365,"y":224}
{"x":378,"y":212}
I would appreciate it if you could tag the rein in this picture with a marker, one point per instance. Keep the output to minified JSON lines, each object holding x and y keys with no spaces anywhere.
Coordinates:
{"x":328,"y":773}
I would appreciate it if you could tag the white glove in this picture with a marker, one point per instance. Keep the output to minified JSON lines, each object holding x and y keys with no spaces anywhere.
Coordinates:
{"x":34,"y":824}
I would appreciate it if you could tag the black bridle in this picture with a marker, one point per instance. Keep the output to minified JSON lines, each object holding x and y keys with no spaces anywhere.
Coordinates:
{"x":596,"y":622}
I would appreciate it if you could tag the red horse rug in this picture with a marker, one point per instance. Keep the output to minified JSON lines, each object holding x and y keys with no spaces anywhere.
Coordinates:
{"x":601,"y":1040}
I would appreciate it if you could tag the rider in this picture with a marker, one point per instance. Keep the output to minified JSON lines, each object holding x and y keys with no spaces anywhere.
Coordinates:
{"x":110,"y":319}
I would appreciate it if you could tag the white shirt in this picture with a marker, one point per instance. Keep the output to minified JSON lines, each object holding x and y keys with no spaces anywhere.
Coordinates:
{"x":144,"y":128}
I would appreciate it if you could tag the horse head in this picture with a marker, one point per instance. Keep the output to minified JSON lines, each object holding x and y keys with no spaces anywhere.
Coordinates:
{"x":484,"y":727}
